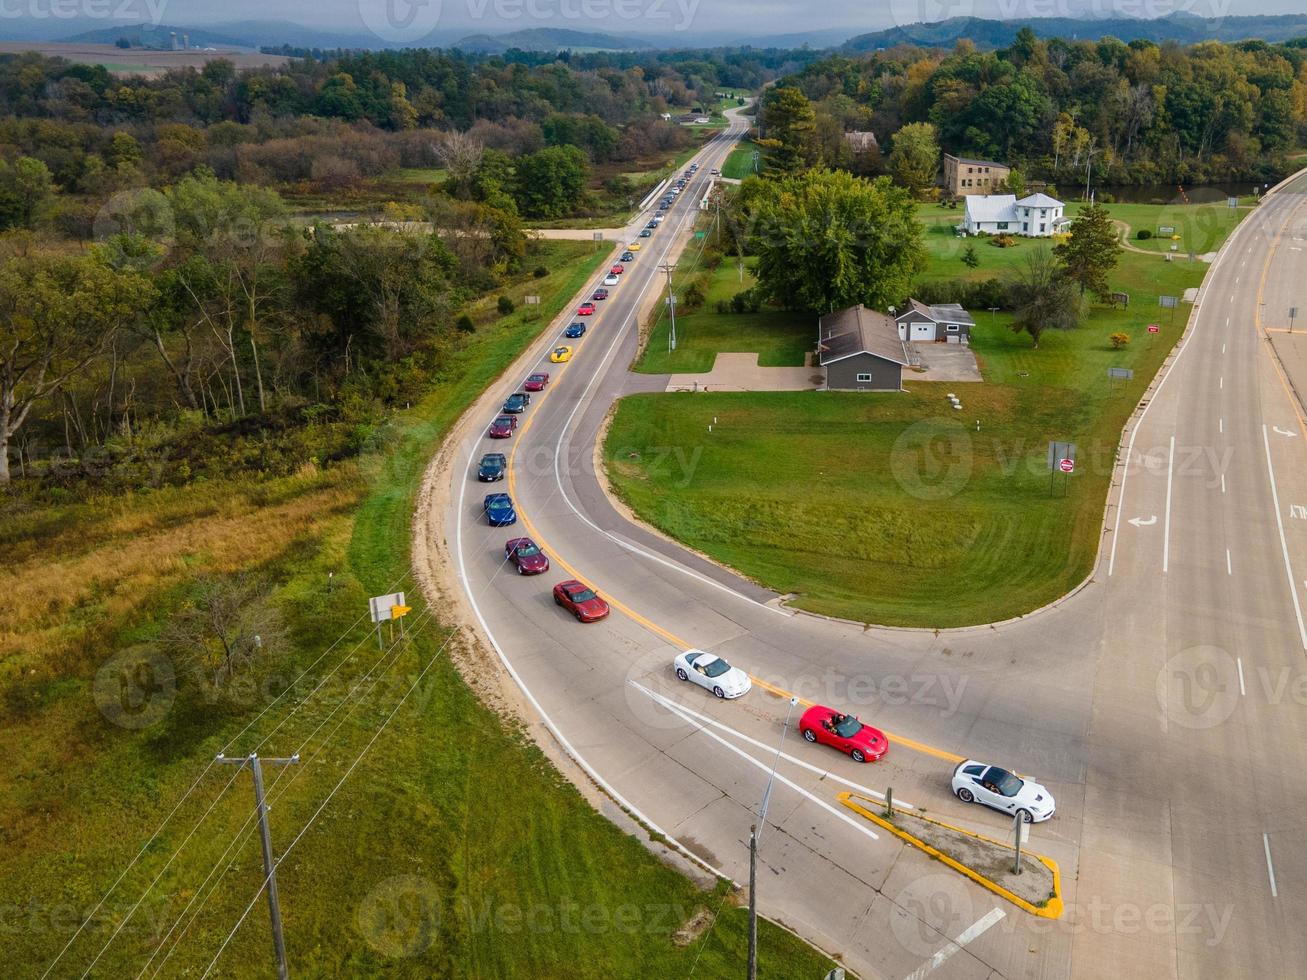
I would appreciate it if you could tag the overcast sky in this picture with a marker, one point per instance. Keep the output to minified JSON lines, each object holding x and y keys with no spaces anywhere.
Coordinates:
{"x":409,"y":21}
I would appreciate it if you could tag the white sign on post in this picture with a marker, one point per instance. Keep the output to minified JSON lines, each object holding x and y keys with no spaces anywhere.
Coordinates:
{"x":381,"y":606}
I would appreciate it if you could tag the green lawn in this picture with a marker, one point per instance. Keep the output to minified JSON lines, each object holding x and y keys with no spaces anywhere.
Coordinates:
{"x":454,"y":849}
{"x":892,"y":508}
{"x":779,"y":339}
{"x":739,"y":164}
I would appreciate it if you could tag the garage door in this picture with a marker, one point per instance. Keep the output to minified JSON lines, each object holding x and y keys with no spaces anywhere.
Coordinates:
{"x":923,"y":331}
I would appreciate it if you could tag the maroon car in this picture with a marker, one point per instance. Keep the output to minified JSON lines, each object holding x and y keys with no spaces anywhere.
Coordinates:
{"x":580,"y":600}
{"x":600,"y":294}
{"x":845,"y":732}
{"x":536,"y":382}
{"x":526,"y":555}
{"x":503,"y":427}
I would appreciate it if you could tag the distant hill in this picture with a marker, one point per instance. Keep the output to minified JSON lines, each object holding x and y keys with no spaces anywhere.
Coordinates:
{"x":550,"y":39}
{"x":159,"y":38}
{"x":1180,"y":27}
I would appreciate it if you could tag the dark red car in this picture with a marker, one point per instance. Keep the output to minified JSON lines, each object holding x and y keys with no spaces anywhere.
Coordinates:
{"x":600,"y":294}
{"x":580,"y":600}
{"x":617,"y":270}
{"x":536,"y":382}
{"x":585,"y":309}
{"x":526,"y":555}
{"x":503,"y":427}
{"x":845,"y":732}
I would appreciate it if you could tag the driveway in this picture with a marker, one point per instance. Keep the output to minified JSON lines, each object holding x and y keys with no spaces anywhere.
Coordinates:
{"x":943,"y":362}
{"x":740,"y":372}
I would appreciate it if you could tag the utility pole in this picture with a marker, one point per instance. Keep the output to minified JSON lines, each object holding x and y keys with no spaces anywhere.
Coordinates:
{"x":269,"y":865}
{"x":668,"y":268}
{"x":755,"y":832}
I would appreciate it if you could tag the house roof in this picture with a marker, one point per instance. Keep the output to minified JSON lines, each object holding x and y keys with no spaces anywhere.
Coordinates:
{"x":859,"y":330}
{"x":990,"y":207}
{"x":942,"y":312}
{"x":1039,"y":201}
{"x":978,"y":163}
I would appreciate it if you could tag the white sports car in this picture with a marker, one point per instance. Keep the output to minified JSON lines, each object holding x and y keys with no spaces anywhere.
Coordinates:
{"x":712,"y":672}
{"x":977,"y":782}
{"x":610,"y":280}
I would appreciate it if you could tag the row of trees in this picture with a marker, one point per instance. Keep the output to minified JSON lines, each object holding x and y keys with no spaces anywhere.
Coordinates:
{"x":1136,"y":113}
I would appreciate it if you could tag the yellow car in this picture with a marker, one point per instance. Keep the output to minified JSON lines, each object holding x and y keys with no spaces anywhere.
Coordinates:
{"x":633,"y":247}
{"x":560,"y":354}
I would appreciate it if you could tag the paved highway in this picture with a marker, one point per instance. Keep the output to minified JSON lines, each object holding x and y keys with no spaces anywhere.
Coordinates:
{"x":1162,"y":703}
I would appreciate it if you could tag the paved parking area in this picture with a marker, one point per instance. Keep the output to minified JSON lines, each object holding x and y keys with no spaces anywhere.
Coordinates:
{"x":740,"y":372}
{"x":944,"y":362}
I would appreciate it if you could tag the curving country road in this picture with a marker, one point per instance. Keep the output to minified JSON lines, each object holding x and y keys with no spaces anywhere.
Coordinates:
{"x":1164,"y":703}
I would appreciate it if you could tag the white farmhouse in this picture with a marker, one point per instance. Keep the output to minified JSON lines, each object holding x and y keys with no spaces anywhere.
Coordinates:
{"x":1036,"y":216}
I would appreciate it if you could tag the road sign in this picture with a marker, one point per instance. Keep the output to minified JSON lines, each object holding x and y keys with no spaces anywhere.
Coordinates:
{"x":1168,"y":302}
{"x":1058,"y":451}
{"x":1231,"y":202}
{"x":1154,"y":328}
{"x":382,"y":607}
{"x":1121,"y":374}
{"x":599,"y":236}
{"x":1166,"y":230}
{"x":531,"y":300}
{"x":1066,"y":465}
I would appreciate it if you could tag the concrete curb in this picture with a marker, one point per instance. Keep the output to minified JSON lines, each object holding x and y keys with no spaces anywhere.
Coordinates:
{"x":1052,"y":910}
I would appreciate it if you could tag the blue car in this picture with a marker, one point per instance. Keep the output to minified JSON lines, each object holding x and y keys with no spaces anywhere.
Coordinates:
{"x":517,"y":402}
{"x":577,"y":329}
{"x":492,"y":467}
{"x":499,"y":510}
{"x":628,"y":256}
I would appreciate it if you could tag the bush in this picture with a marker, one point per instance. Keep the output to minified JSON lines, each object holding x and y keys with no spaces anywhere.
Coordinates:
{"x":973,"y":296}
{"x":1119,"y":340}
{"x":540,"y":272}
{"x":745,"y":301}
{"x":1143,"y":234}
{"x":1003,"y":241}
{"x":465,"y":324}
{"x":505,"y":306}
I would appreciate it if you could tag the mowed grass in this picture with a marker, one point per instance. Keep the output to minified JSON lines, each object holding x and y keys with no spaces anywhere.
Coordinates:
{"x":779,"y":339}
{"x":739,"y":164}
{"x":453,"y":848}
{"x":893,"y":508}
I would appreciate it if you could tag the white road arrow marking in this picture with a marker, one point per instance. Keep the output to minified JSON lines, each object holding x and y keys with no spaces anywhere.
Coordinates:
{"x":1276,"y":429}
{"x":1140,"y":522}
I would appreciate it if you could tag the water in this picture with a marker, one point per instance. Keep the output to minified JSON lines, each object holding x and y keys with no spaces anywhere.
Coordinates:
{"x":1170,"y":194}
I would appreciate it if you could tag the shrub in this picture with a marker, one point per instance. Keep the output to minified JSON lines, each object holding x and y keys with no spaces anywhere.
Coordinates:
{"x":1119,"y":340}
{"x":1003,"y":241}
{"x":540,"y":272}
{"x":1143,"y":234}
{"x":505,"y":306}
{"x":465,"y":324}
{"x":973,"y":296}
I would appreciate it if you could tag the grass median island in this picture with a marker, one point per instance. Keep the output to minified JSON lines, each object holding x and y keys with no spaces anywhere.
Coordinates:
{"x":891,"y":508}
{"x":454,"y":849}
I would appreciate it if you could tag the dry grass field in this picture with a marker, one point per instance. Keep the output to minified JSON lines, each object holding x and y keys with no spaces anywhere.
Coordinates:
{"x":139,"y":61}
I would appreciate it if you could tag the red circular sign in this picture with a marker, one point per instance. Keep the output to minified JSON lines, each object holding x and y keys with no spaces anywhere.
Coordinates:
{"x":1154,"y":328}
{"x":1067,"y":465}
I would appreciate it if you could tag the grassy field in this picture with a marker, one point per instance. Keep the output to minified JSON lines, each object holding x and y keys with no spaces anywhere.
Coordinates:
{"x":453,"y":849}
{"x":845,"y":498}
{"x":739,"y":164}
{"x":779,"y":339}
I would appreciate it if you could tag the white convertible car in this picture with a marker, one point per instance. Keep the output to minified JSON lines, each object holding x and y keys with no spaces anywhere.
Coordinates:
{"x":976,"y":782}
{"x":712,"y":672}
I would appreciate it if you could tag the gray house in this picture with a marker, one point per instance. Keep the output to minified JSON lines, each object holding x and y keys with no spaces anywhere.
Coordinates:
{"x":945,"y":323}
{"x":860,"y":350}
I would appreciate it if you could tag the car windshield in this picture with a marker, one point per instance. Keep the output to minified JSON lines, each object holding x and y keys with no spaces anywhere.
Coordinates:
{"x":583,"y":595}
{"x":500,"y":504}
{"x":1006,"y":783}
{"x":527,"y":551}
{"x":561,"y":351}
{"x":490,"y":464}
{"x":716,"y":668}
{"x":849,"y":727}
{"x":537,"y":378}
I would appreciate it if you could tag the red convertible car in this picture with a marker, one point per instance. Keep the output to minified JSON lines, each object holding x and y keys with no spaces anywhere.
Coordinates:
{"x":536,"y":382}
{"x":526,"y":555}
{"x":580,"y":600}
{"x":844,"y":732}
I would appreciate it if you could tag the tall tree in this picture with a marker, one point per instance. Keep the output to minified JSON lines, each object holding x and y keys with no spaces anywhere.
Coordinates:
{"x":1091,"y":251}
{"x":789,"y":130}
{"x":1041,"y":298}
{"x":826,"y":239}
{"x":914,"y":160}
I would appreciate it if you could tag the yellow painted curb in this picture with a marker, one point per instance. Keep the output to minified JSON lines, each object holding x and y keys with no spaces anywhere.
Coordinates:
{"x":1052,"y":910}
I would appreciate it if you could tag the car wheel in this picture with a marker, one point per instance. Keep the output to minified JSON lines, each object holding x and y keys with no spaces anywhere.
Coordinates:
{"x":1026,"y":816}
{"x":858,"y":756}
{"x":966,"y":796}
{"x":719,"y":692}
{"x":809,"y":735}
{"x":682,"y":674}
{"x":557,"y":601}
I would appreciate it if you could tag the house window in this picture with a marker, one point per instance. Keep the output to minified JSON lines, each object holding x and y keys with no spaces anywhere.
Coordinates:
{"x":1002,"y":226}
{"x":864,"y":377}
{"x":1041,"y":227}
{"x":952,"y":328}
